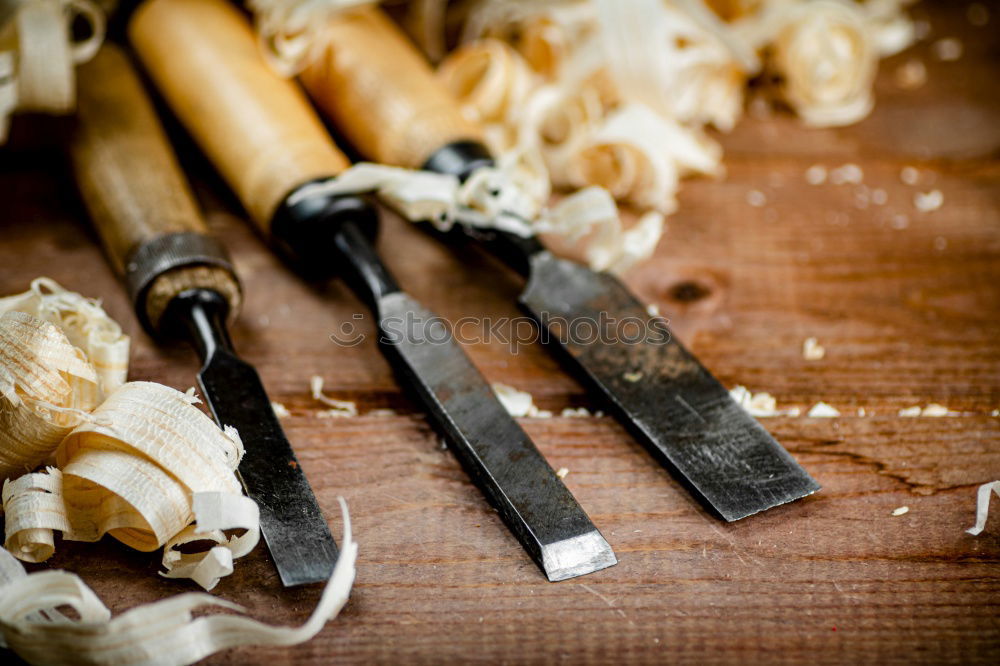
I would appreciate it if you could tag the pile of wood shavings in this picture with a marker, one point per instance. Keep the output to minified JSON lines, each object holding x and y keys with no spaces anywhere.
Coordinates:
{"x":162,"y":633}
{"x":137,"y":461}
{"x":618,"y":95}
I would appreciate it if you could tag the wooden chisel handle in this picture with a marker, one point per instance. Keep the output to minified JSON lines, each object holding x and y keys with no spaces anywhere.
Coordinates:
{"x":381,"y":93}
{"x":256,"y":127}
{"x":140,"y":204}
{"x":387,"y":102}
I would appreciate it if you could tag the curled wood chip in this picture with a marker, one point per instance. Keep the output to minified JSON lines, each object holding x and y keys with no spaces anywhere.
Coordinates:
{"x":83,"y":321}
{"x":163,"y":633}
{"x":290,"y":32}
{"x":47,"y":384}
{"x":638,"y":156}
{"x":900,"y":511}
{"x":214,"y":513}
{"x":339,"y":408}
{"x":139,"y":468}
{"x":492,"y":82}
{"x":827,"y":60}
{"x":495,"y":198}
{"x":983,"y":506}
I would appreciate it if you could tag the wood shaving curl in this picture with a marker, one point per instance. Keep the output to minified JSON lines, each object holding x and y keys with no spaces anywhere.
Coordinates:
{"x":59,"y":354}
{"x":163,"y":633}
{"x":39,"y":55}
{"x":133,"y":460}
{"x":136,"y":468}
{"x":983,"y":506}
{"x":339,"y":408}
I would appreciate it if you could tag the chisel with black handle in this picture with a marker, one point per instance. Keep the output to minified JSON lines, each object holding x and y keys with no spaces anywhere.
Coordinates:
{"x":381,"y":94}
{"x":182,"y":284}
{"x":270,"y":146}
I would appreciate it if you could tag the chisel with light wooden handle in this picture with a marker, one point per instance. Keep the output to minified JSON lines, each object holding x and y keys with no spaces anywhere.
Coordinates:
{"x":269,"y":144}
{"x":382,"y":95}
{"x":183,"y":285}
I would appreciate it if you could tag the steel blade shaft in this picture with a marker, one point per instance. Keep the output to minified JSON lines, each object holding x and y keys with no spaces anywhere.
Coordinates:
{"x":293,"y":525}
{"x":491,"y":446}
{"x":680,"y":412}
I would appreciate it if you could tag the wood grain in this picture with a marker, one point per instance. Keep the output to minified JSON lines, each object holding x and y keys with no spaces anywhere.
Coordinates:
{"x":256,"y":126}
{"x":130,"y":181}
{"x":124,"y":165}
{"x":906,"y":319}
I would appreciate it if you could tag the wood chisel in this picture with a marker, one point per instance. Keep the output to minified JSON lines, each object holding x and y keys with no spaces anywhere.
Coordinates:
{"x":381,"y":94}
{"x":182,"y":285}
{"x":270,"y":146}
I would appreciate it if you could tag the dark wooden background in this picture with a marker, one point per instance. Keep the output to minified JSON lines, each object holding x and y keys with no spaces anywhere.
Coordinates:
{"x":908,"y":316}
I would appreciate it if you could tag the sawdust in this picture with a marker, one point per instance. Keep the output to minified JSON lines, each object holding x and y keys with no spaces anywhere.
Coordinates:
{"x":821,"y":410}
{"x":756,"y":198}
{"x":931,"y":410}
{"x":518,"y":403}
{"x":927,"y":202}
{"x":816,"y":174}
{"x":847,"y":174}
{"x":947,"y":49}
{"x":911,"y":75}
{"x":812,"y":350}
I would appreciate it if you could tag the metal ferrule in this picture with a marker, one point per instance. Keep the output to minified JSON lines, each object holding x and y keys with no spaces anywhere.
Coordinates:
{"x":165,"y":253}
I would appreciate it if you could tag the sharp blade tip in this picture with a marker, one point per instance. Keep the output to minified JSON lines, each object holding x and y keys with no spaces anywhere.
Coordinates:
{"x":293,"y":577}
{"x":807,"y":490}
{"x":577,"y":556}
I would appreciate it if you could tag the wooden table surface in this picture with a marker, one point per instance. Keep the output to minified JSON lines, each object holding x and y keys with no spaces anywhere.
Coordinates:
{"x":908,"y":316}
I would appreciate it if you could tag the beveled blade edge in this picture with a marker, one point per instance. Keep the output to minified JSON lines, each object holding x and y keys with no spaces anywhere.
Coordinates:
{"x":493,"y":449}
{"x":577,"y":556}
{"x":676,"y":408}
{"x":294,"y":529}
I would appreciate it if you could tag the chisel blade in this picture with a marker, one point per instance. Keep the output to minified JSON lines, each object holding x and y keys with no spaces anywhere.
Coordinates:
{"x":296,"y":533}
{"x":680,"y":412}
{"x":494,"y":450}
